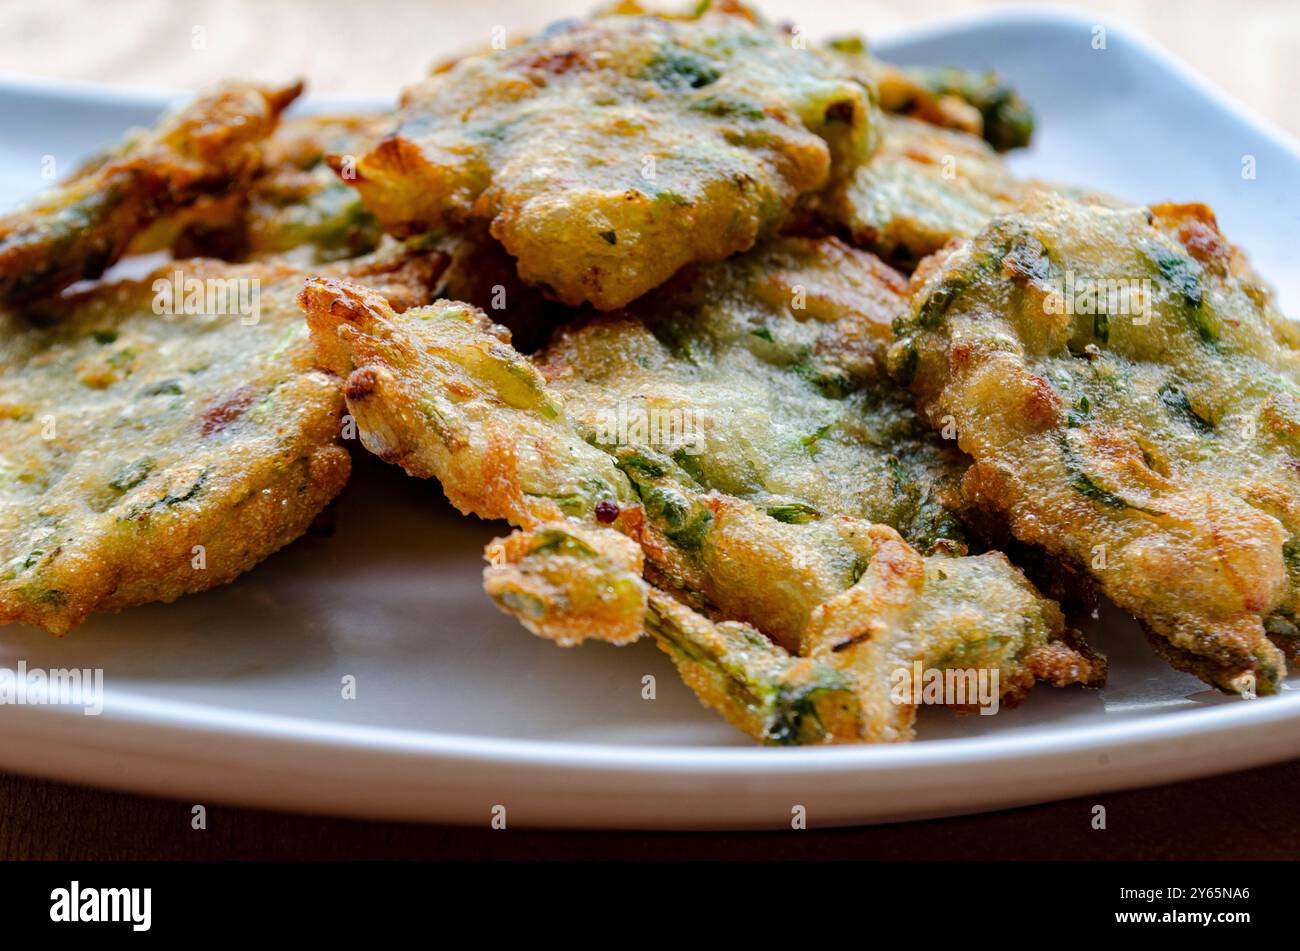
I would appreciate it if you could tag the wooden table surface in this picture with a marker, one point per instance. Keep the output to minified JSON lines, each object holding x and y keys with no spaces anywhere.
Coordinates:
{"x":1251,"y":815}
{"x":1249,"y":47}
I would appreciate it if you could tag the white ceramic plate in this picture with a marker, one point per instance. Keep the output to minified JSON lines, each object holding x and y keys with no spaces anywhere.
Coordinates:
{"x":234,"y":695}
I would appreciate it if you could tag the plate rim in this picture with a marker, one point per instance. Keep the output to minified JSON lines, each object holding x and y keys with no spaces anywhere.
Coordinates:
{"x":1228,"y":716}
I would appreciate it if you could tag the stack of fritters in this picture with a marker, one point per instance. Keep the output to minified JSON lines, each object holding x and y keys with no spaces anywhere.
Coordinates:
{"x":693,"y":226}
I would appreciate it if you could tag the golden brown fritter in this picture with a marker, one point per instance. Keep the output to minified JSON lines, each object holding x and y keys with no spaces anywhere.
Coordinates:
{"x":81,"y":227}
{"x":1129,"y":395}
{"x":464,"y":429}
{"x":608,"y":153}
{"x":923,"y":187}
{"x":978,"y":103}
{"x":300,"y":204}
{"x":295,"y":204}
{"x":570,"y":582}
{"x":442,"y":393}
{"x":762,"y":377}
{"x":154,"y":450}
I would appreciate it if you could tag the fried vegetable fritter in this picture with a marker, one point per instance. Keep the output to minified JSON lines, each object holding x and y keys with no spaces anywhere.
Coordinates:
{"x":923,"y":187}
{"x":609,"y":153}
{"x":300,"y":202}
{"x":153,"y":454}
{"x":980,"y":104}
{"x":441,"y":393}
{"x":81,"y":227}
{"x":764,"y":375}
{"x":1129,"y":394}
{"x":432,"y":402}
{"x":295,"y":204}
{"x":926,"y":186}
{"x":567,"y":582}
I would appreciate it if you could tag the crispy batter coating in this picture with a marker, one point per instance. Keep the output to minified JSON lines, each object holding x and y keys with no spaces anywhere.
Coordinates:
{"x":923,"y":187}
{"x":570,"y":583}
{"x":1129,"y":395}
{"x":150,"y":455}
{"x":81,"y":227}
{"x":608,"y":153}
{"x":441,"y":392}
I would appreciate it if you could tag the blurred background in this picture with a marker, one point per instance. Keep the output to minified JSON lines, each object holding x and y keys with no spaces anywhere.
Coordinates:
{"x":369,"y":49}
